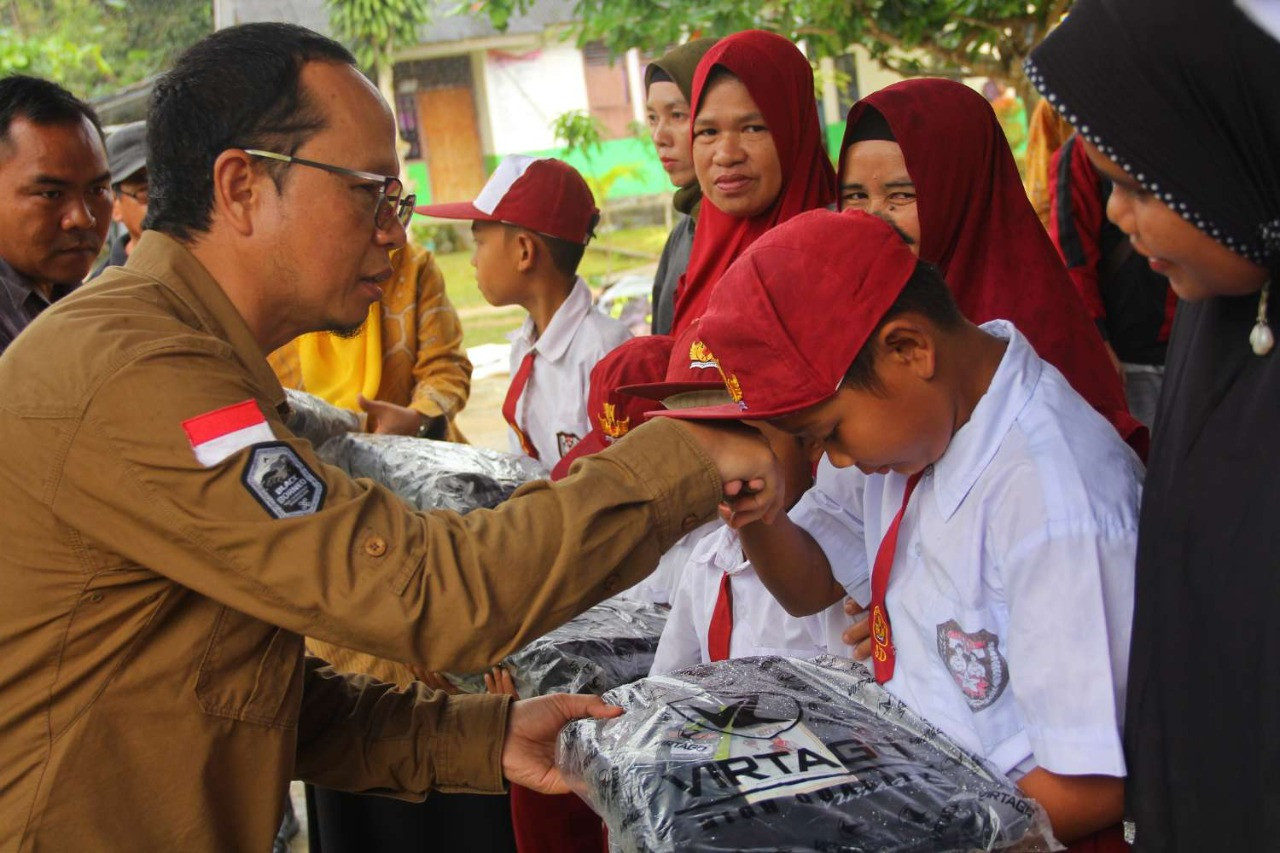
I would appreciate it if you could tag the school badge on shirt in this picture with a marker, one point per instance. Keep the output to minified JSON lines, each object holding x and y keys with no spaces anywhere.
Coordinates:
{"x":975,"y":662}
{"x":565,"y":441}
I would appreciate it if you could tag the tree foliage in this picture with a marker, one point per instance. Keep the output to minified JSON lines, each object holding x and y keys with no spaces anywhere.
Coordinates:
{"x":95,"y":47}
{"x":986,"y":38}
{"x":373,"y":29}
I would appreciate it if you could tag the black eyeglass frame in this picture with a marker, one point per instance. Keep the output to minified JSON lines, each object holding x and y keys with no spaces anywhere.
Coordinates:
{"x":134,"y":194}
{"x":389,"y":201}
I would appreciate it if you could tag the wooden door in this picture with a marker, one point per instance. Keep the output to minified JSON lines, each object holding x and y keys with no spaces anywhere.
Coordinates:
{"x":451,"y":143}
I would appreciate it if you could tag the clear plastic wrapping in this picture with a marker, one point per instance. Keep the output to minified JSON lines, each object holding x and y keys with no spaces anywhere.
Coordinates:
{"x":609,"y":645}
{"x":432,"y":474}
{"x":775,"y":754}
{"x":315,"y":420}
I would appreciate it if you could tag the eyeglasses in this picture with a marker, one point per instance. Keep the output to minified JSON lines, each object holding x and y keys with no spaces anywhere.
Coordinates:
{"x":392,"y":204}
{"x":139,"y":195}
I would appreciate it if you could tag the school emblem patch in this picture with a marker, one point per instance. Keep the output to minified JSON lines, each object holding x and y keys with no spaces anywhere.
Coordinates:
{"x":279,"y":480}
{"x":611,"y":425}
{"x":565,"y":441}
{"x":975,"y":663}
{"x":700,"y":357}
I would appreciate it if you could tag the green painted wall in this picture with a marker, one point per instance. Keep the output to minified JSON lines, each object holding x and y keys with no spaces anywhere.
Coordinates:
{"x":835,"y":135}
{"x":635,"y":157}
{"x":419,"y":182}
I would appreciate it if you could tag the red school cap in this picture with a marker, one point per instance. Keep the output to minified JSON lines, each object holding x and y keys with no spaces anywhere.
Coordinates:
{"x":547,"y":196}
{"x":612,"y":412}
{"x":793,"y":311}
{"x":691,"y":373}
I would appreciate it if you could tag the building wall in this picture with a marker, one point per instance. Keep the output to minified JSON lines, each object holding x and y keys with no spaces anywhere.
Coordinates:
{"x":526,"y":91}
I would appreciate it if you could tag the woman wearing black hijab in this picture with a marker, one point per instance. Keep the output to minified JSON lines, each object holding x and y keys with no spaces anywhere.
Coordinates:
{"x":1180,"y":103}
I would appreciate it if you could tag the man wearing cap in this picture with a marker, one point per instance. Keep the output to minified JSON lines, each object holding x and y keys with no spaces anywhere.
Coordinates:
{"x":55,"y":200}
{"x":532,"y":222}
{"x":168,"y":541}
{"x":127,"y":156}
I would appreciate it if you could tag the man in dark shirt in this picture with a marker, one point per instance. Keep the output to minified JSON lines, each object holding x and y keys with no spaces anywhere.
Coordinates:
{"x":127,"y":157}
{"x":55,"y":197}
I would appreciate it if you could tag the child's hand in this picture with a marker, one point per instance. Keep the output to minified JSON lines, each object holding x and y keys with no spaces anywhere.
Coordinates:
{"x":499,"y":680}
{"x":858,"y":634}
{"x":436,"y":681}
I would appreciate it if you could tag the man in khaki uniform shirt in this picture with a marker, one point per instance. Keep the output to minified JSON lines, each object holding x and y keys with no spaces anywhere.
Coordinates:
{"x":167,"y":541}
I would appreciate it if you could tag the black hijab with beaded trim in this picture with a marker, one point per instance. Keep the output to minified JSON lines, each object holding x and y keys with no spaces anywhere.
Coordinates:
{"x":1184,"y":95}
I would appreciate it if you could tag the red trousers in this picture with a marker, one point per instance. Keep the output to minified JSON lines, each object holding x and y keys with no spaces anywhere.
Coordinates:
{"x":554,"y":823}
{"x":1109,"y":840}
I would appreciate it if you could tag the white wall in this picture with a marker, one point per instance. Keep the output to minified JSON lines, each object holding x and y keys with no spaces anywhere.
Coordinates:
{"x":527,"y":91}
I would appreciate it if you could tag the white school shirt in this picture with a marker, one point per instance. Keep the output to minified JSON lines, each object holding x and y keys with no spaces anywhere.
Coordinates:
{"x":1011,"y":594}
{"x":553,"y":408}
{"x":760,"y":624}
{"x":660,"y":587}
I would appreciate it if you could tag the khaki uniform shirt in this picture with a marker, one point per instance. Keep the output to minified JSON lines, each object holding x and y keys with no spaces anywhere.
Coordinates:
{"x":153,"y":690}
{"x":424,"y":366}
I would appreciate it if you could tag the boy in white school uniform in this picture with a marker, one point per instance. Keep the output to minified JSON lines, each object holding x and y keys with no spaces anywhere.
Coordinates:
{"x":721,"y":609}
{"x":982,"y":511}
{"x":531,"y":223}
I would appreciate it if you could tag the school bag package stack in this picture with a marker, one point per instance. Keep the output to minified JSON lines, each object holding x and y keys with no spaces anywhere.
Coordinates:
{"x":317,"y":420}
{"x":427,"y":474}
{"x":776,"y":754}
{"x":609,"y":645}
{"x":432,"y":474}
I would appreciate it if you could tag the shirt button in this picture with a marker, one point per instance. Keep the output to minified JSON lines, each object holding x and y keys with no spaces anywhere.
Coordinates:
{"x":689,"y":523}
{"x":375,"y":546}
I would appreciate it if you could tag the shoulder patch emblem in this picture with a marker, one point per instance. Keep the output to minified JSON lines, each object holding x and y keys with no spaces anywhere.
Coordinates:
{"x":975,"y":662}
{"x":281,"y":482}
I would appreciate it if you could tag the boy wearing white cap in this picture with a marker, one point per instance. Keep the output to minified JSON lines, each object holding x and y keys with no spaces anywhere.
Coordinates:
{"x":531,"y":224}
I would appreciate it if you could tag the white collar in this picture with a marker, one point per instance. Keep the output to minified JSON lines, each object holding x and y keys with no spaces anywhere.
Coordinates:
{"x":555,"y":339}
{"x":975,"y":444}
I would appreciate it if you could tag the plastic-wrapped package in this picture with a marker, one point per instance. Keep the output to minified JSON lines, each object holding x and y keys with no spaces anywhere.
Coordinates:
{"x":776,"y":754}
{"x":607,"y":646}
{"x":432,"y":474}
{"x":315,"y":420}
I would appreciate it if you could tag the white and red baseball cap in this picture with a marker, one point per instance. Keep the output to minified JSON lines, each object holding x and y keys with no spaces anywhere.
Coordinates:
{"x":547,"y":196}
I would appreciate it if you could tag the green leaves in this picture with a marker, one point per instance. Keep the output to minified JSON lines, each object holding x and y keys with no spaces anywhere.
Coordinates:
{"x":970,"y":37}
{"x":373,"y":29}
{"x":94,"y":48}
{"x":578,"y":131}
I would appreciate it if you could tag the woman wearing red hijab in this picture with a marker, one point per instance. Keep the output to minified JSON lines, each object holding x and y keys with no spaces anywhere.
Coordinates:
{"x":758,"y":153}
{"x":939,"y":139}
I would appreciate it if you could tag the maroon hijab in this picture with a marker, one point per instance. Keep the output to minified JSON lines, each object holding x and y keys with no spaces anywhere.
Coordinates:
{"x":781,"y":83}
{"x":977,"y":225}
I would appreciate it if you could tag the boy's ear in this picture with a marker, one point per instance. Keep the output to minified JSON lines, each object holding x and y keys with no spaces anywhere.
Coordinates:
{"x":907,"y":341}
{"x":526,"y":250}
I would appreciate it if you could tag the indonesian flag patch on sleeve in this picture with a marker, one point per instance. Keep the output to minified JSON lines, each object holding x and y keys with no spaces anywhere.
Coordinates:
{"x":274,"y":474}
{"x":223,"y":432}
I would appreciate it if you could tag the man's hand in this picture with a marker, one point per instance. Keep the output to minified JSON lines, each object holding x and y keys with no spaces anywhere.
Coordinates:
{"x":529,"y":749}
{"x":752,"y":476}
{"x":390,"y":419}
{"x":858,"y":634}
